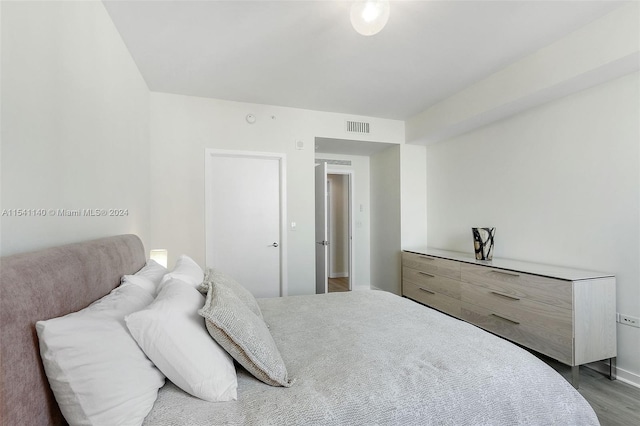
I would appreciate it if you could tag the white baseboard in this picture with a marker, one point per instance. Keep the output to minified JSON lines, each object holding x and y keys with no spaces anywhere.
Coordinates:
{"x":625,"y":376}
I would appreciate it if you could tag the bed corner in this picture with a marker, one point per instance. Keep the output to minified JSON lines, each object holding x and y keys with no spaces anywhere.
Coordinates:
{"x":46,"y":284}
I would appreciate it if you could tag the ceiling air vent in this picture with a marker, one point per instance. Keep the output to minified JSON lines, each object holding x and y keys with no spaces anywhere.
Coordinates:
{"x":357,"y":127}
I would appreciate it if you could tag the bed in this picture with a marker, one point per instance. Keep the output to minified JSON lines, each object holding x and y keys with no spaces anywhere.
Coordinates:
{"x":365,"y":357}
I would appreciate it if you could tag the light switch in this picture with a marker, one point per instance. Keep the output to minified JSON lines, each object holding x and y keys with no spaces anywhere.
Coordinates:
{"x":293,"y":226}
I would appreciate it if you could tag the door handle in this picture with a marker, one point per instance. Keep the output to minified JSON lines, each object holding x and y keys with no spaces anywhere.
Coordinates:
{"x":506,"y":319}
{"x":323,"y":243}
{"x":274,"y":245}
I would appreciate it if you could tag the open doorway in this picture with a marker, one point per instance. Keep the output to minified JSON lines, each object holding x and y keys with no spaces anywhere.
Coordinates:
{"x":352,"y":157}
{"x":339,"y":215}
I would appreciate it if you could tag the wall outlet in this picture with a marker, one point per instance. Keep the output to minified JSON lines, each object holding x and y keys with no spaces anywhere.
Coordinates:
{"x":629,"y":320}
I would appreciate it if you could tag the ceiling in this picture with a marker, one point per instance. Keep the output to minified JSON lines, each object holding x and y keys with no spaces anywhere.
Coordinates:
{"x":305,"y":54}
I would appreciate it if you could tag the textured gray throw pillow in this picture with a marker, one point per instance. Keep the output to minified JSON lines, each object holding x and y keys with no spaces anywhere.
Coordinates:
{"x":215,"y":276}
{"x":244,"y":336}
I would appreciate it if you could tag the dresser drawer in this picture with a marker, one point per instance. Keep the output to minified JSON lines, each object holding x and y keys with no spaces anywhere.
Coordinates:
{"x":436,"y":283}
{"x":552,"y":318}
{"x":517,"y":284}
{"x":536,"y":338}
{"x":427,"y":297}
{"x":432,"y":265}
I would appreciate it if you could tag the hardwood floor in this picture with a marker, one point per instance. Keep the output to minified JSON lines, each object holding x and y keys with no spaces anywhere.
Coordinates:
{"x":338,"y":284}
{"x":616,"y":403}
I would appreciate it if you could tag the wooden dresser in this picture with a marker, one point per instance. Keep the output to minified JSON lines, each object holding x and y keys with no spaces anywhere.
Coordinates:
{"x":566,"y":314}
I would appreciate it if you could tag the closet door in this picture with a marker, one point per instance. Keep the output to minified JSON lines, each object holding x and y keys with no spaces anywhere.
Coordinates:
{"x":243,"y":214}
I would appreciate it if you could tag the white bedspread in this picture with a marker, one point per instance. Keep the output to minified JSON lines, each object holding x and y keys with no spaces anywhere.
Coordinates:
{"x":365,"y":358}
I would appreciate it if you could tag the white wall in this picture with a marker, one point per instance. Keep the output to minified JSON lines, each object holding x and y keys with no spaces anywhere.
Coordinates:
{"x":75,"y":125}
{"x":182,"y":127}
{"x":561,"y":185}
{"x":386,"y":219}
{"x":398,"y":211}
{"x":413,"y":195}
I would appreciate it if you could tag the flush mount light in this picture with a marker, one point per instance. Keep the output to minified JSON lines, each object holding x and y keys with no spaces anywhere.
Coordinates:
{"x":370,"y":16}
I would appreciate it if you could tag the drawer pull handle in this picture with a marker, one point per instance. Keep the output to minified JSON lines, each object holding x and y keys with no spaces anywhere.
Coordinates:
{"x":511,"y":274}
{"x":426,"y":257}
{"x":426,"y":291}
{"x":506,"y":296}
{"x":506,"y":319}
{"x":426,"y":275}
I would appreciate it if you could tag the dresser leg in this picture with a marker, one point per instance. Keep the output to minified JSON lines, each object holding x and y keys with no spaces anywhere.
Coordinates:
{"x":613,"y":369}
{"x":575,"y":376}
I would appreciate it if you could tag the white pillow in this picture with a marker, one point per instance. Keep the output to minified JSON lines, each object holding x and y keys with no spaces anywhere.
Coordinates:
{"x":98,"y":373}
{"x":142,"y":282}
{"x":186,"y":270}
{"x":148,"y":277}
{"x":175,"y":338}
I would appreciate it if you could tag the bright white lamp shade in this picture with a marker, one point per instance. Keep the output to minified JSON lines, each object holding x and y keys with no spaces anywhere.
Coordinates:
{"x":159,"y":255}
{"x":370,"y":16}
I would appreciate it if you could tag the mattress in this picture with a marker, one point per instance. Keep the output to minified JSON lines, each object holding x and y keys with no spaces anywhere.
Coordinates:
{"x":370,"y":357}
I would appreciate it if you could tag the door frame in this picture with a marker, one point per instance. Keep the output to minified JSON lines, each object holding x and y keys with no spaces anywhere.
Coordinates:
{"x":320,"y":234}
{"x":351,"y":204}
{"x":208,"y":176}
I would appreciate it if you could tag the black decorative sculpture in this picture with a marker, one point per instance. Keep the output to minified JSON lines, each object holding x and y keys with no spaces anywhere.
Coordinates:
{"x":483,"y":242}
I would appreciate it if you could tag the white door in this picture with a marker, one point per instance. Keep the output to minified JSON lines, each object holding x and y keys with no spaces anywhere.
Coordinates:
{"x":243,"y":219}
{"x":321,"y":228}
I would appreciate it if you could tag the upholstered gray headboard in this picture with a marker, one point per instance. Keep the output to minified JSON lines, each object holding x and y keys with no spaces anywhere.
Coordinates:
{"x":47,"y":284}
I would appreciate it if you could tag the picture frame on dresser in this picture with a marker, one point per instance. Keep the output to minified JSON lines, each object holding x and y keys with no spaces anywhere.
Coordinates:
{"x":564,"y":313}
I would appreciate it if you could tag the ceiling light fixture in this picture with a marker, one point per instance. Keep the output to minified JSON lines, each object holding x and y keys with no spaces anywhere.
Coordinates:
{"x":369,"y":17}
